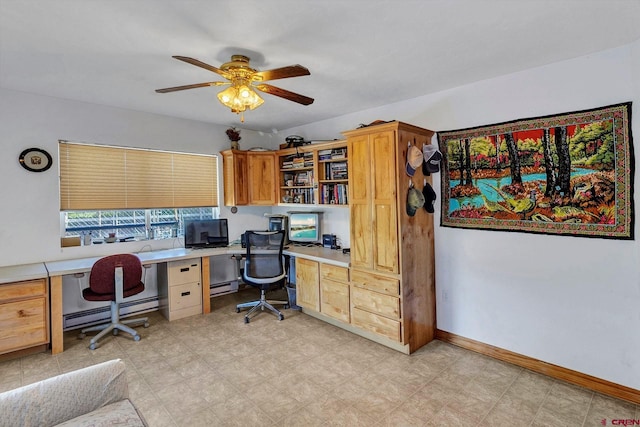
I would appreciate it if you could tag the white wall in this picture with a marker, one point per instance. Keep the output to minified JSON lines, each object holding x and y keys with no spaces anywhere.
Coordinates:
{"x":569,"y":301}
{"x":29,"y":218}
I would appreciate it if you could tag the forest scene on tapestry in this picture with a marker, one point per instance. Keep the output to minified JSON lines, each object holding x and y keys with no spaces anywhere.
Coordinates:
{"x":566,"y":174}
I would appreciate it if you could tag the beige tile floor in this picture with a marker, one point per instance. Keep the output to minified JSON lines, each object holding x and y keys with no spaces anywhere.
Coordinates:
{"x":215,"y":370}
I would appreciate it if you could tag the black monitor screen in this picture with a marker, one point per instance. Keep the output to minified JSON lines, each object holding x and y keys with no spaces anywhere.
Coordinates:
{"x":206,"y":233}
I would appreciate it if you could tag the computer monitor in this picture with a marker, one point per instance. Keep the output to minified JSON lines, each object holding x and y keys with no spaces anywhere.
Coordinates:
{"x":304,"y":227}
{"x":206,"y":233}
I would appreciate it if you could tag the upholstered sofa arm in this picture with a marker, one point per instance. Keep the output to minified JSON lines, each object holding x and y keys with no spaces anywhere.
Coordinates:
{"x":64,"y":397}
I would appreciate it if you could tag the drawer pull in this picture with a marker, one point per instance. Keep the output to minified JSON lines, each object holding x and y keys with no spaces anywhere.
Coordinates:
{"x":185,"y":294}
{"x":184,"y":269}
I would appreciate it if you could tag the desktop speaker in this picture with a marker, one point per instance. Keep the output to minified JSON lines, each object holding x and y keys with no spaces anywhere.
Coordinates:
{"x":329,"y":241}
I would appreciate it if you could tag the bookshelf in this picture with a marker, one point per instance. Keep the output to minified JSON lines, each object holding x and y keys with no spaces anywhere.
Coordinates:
{"x":314,"y":174}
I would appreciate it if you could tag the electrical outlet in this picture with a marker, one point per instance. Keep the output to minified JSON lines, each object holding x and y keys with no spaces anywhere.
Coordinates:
{"x":445,"y":295}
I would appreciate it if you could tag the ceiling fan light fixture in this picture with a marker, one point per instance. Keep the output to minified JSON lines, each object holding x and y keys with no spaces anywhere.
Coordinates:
{"x":240,"y":97}
{"x":242,"y":78}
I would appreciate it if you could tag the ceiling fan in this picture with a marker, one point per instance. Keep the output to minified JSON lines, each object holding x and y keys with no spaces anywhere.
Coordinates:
{"x":243,"y":79}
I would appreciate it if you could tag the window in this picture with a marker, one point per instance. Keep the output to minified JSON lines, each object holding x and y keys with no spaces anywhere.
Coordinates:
{"x":129,"y":191}
{"x":133,"y":223}
{"x":97,"y":177}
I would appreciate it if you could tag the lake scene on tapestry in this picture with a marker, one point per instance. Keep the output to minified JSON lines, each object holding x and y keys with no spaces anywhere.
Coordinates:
{"x":565,"y":174}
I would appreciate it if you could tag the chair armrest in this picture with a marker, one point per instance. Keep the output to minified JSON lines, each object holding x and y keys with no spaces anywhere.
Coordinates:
{"x":63,"y":397}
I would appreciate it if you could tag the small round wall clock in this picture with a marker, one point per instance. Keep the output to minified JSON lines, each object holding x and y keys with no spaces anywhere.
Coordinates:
{"x":35,"y":160}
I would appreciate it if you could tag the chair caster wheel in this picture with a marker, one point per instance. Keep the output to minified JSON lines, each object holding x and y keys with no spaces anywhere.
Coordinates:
{"x":247,"y":320}
{"x":237,"y":310}
{"x":81,"y":336}
{"x":146,"y":324}
{"x":281,"y":317}
{"x":92,"y":346}
{"x":136,"y":337}
{"x":115,"y":332}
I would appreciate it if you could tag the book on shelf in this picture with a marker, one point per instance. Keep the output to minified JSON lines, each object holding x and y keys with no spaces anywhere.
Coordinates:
{"x":339,"y":153}
{"x":324,"y":154}
{"x":336,"y":170}
{"x":334,"y":194}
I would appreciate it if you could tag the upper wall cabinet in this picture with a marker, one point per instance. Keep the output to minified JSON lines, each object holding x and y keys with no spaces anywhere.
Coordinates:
{"x":236,"y":189}
{"x":249,"y":177}
{"x":314,"y":174}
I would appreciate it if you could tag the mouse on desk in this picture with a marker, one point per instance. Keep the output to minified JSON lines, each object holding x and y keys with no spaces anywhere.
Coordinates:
{"x":285,"y":247}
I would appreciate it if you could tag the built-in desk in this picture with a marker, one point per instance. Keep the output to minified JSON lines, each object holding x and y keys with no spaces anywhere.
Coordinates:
{"x":57,"y":269}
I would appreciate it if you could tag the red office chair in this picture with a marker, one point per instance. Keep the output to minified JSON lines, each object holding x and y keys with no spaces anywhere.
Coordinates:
{"x":114,"y":278}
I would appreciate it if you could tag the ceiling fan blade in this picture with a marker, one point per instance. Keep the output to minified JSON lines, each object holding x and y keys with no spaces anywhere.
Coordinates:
{"x":203,"y":65}
{"x":281,"y":73}
{"x":193,"y":86}
{"x":291,"y":96}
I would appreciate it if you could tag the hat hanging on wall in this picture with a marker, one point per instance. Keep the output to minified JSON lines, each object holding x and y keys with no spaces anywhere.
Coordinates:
{"x":415,"y":200}
{"x":414,"y":159}
{"x":432,"y":158}
{"x":429,"y":196}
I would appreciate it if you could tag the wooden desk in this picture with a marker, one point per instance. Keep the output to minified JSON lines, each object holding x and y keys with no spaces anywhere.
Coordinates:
{"x":57,"y":269}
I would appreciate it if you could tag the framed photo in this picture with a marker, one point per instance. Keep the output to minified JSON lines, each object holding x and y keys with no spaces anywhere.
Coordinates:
{"x":35,"y":160}
{"x":565,"y":174}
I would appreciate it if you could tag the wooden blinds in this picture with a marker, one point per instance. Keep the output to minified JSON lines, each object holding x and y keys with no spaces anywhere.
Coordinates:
{"x":96,"y":177}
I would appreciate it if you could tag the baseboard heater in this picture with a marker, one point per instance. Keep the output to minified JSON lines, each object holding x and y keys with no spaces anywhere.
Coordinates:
{"x":96,"y":316}
{"x":219,"y":289}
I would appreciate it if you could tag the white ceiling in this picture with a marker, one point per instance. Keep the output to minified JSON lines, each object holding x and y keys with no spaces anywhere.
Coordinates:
{"x":361,"y":53}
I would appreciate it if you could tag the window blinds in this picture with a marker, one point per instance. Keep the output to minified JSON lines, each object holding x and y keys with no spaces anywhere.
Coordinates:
{"x":94,"y":177}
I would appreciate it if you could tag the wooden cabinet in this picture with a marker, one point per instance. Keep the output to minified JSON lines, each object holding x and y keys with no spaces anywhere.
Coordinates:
{"x":262,"y":177}
{"x":249,"y":177}
{"x":179,"y":289}
{"x":392,"y":255}
{"x":374,"y":201}
{"x":236,"y":187}
{"x":308,"y":284}
{"x":334,"y":292}
{"x":314,"y":174}
{"x":24,"y":315}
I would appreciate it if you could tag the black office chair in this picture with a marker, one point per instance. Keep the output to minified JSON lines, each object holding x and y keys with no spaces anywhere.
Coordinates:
{"x":114,"y":278}
{"x":264,"y":267}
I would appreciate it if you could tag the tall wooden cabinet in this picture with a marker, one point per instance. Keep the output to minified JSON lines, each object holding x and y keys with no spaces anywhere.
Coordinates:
{"x":392,"y":253}
{"x":249,"y":177}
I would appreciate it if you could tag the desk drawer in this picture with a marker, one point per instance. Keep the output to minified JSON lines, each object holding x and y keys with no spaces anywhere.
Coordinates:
{"x":22,"y":290}
{"x":377,"y":324}
{"x":376,"y":282}
{"x":183,"y":271}
{"x":185,"y":296}
{"x":376,"y":302}
{"x":333,"y":272}
{"x":24,"y":324}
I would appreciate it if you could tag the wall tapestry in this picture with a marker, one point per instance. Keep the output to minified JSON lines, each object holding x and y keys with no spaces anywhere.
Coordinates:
{"x":564,"y":174}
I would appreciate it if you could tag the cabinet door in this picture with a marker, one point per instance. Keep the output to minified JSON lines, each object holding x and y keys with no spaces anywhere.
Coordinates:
{"x":335,"y":299}
{"x":384,"y":200}
{"x":262,"y":178}
{"x":360,"y":202}
{"x":308,"y":284}
{"x":235,"y":168}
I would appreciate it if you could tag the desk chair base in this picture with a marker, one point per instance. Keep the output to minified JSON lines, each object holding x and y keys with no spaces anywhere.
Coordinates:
{"x":114,"y":327}
{"x":261,"y":305}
